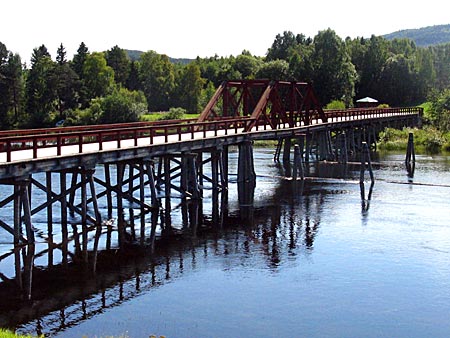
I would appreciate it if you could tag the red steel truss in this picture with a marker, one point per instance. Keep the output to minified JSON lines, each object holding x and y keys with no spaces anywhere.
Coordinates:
{"x":265,"y":102}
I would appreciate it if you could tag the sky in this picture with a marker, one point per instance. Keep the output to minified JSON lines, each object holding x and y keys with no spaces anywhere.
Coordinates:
{"x":191,"y":28}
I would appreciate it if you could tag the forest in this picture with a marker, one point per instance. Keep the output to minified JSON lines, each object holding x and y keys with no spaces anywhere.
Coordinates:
{"x":105,"y":87}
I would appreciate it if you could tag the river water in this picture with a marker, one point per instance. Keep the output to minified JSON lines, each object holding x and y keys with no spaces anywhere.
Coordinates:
{"x":306,"y":260}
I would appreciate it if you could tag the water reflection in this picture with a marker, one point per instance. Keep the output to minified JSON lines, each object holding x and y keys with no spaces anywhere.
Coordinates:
{"x":91,"y":270}
{"x":365,"y":200}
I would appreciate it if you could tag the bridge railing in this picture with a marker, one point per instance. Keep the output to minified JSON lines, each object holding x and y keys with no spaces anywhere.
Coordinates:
{"x":163,"y":132}
{"x":366,"y":113}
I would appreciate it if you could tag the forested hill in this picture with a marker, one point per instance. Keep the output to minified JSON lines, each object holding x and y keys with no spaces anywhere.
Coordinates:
{"x":134,"y":55}
{"x":427,"y":36}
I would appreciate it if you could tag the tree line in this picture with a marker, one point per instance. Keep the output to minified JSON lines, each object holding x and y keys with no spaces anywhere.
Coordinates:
{"x":105,"y":87}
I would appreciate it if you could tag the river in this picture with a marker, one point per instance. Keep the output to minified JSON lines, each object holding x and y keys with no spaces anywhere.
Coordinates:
{"x":307,"y":260}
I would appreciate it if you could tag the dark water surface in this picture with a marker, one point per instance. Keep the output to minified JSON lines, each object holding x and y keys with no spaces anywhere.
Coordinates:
{"x":310,"y":260}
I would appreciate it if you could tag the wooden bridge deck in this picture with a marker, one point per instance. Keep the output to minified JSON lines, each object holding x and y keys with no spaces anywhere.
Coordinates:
{"x":23,"y":153}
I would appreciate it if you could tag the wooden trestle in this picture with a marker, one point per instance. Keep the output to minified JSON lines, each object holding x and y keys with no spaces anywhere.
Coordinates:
{"x":65,"y":172}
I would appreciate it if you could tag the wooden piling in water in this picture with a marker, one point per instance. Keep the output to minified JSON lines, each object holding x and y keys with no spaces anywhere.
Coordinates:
{"x":287,"y":150}
{"x":410,"y":153}
{"x":298,"y":163}
{"x":365,"y":159}
{"x":64,"y":230}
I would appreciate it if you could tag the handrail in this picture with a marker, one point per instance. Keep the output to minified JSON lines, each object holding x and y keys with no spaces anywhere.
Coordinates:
{"x":81,"y":136}
{"x":100,"y":136}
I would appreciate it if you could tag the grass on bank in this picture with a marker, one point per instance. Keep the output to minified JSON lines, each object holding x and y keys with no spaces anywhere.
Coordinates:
{"x":428,"y":139}
{"x":8,"y":334}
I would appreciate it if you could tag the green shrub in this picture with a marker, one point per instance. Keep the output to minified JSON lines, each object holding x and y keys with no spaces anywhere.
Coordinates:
{"x":174,"y":114}
{"x":383,"y":105}
{"x":335,"y":104}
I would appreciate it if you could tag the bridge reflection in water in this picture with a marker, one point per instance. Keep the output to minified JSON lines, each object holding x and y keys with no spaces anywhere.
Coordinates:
{"x":56,"y":286}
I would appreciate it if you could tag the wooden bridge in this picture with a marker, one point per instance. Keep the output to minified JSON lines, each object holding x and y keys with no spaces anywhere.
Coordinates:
{"x":168,"y":157}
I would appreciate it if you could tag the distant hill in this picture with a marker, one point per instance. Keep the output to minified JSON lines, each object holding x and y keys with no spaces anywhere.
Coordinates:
{"x":134,"y":55}
{"x":423,"y":37}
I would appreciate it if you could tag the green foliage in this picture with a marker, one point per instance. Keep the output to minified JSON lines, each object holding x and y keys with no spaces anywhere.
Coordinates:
{"x":274,"y":70}
{"x":173,"y":114}
{"x":118,"y":60}
{"x":98,"y":77}
{"x":41,"y":92}
{"x":429,"y":139}
{"x":335,"y":104}
{"x":122,"y":105}
{"x":383,"y":105}
{"x":334,"y":74}
{"x":157,"y":77}
{"x":189,"y":88}
{"x":439,"y":112}
{"x":8,"y":334}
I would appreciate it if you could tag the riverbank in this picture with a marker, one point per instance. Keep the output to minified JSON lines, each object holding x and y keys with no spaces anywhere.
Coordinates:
{"x":427,"y":139}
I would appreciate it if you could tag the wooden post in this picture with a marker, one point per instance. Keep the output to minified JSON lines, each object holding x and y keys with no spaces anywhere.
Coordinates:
{"x":73,"y":189}
{"x":167,"y":177}
{"x":120,"y":215}
{"x":84,"y":215}
{"x":341,"y":147}
{"x":410,"y":153}
{"x":215,"y":169}
{"x":410,"y":160}
{"x":307,"y":147}
{"x":90,"y":178}
{"x":192,"y":181}
{"x":223,"y":166}
{"x":199,"y":166}
{"x":246,"y":169}
{"x":365,"y":158}
{"x":142,"y":198}
{"x":184,"y":168}
{"x":27,"y":212}
{"x":17,"y":214}
{"x":298,"y":163}
{"x":64,"y":231}
{"x":152,"y":184}
{"x":276,"y":156}
{"x":109,"y":201}
{"x":130,"y":179}
{"x":48,"y":177}
{"x":287,"y":150}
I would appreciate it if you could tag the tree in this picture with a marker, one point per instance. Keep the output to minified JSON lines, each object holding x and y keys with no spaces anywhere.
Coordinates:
{"x":38,"y":54}
{"x":61,"y":55}
{"x":4,"y":93}
{"x":77,"y":65}
{"x":79,"y":58}
{"x":274,"y":70}
{"x":441,"y":60}
{"x":439,"y":114}
{"x":370,"y":66}
{"x":334,"y":74}
{"x":67,"y":86}
{"x":16,"y":87}
{"x":398,"y":79}
{"x":40,"y":92}
{"x":118,"y":60}
{"x":284,"y":45}
{"x":426,"y":73}
{"x":97,"y":75}
{"x":156,"y":74}
{"x":133,"y":82}
{"x":189,"y":88}
{"x":122,"y":105}
{"x":247,"y":65}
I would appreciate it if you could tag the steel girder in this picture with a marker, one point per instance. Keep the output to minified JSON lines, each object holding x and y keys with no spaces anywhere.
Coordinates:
{"x":265,"y":102}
